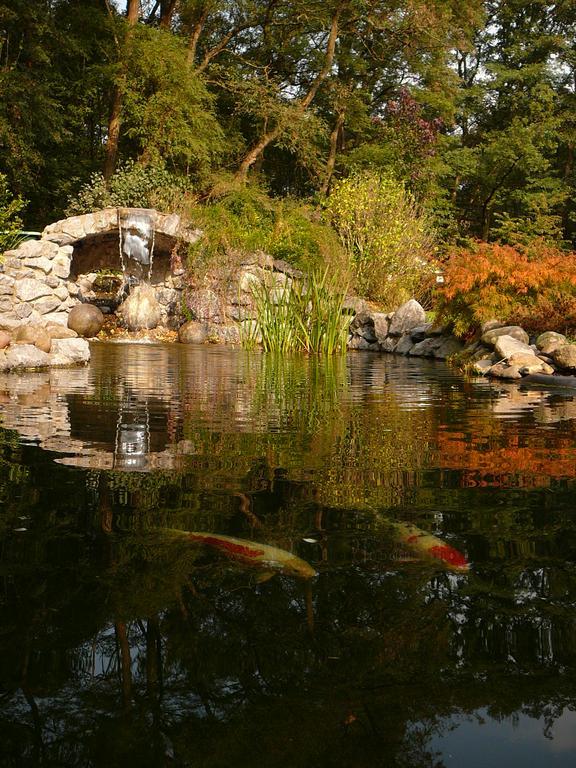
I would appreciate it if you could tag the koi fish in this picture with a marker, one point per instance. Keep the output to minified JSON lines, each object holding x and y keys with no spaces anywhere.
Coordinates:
{"x":431,"y":546}
{"x":250,"y":552}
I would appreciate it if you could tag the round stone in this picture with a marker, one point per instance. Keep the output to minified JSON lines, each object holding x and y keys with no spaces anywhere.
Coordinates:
{"x":86,"y":320}
{"x":192,"y":332}
{"x":141,"y":310}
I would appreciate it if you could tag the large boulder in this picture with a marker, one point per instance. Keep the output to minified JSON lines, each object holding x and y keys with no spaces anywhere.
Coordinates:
{"x":549,"y":341}
{"x":86,"y":319}
{"x":69,"y":352}
{"x":565,"y":356}
{"x":141,"y":310}
{"x":26,"y":356}
{"x":410,"y":315}
{"x":507,"y":345}
{"x":491,"y":336}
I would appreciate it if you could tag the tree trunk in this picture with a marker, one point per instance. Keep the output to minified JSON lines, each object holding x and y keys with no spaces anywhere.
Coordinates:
{"x":269,"y":136}
{"x":167,"y":9}
{"x":111,"y":157}
{"x":331,"y":161}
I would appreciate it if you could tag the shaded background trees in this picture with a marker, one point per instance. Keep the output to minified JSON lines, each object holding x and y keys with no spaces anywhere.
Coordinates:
{"x":476,"y":118}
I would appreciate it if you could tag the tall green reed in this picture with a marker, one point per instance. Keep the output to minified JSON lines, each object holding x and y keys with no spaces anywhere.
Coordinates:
{"x":307,"y":316}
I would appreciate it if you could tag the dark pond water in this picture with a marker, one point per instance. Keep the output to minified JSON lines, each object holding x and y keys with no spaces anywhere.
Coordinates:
{"x":123,"y":642}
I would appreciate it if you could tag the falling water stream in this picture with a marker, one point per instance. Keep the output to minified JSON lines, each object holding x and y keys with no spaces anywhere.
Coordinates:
{"x":136,"y":236}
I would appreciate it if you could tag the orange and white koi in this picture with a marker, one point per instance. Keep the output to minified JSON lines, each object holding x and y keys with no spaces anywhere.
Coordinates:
{"x":431,"y":546}
{"x":250,"y":552}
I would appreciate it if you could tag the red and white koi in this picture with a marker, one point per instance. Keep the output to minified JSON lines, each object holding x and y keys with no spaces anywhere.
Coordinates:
{"x":250,"y":552}
{"x":431,"y":546}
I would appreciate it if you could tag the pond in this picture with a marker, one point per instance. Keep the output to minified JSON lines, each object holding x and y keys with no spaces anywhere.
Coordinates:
{"x":381,"y":571}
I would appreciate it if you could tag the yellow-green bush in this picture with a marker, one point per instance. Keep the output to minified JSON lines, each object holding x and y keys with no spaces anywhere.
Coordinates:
{"x":387,"y":238}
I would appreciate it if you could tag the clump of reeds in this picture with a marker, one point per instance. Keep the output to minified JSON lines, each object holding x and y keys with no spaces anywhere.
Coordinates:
{"x":307,"y":316}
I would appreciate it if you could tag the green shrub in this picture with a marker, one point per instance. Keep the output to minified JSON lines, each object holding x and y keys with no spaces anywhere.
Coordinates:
{"x":388,"y":240}
{"x":132,"y":186}
{"x":245,"y":220}
{"x":10,"y":222}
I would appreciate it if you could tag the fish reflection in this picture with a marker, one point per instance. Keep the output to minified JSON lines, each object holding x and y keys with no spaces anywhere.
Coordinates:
{"x":250,"y":552}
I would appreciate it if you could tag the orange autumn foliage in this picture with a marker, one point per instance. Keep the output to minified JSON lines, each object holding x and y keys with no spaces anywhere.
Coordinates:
{"x":532,"y":286}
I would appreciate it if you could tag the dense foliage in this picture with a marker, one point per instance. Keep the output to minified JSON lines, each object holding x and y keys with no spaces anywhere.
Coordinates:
{"x":533,"y":286}
{"x":466,"y":108}
{"x":386,"y":237}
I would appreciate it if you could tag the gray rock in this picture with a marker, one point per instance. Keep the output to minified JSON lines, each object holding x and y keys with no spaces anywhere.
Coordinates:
{"x":509,"y":345}
{"x":491,"y":337}
{"x":549,"y":341}
{"x":26,"y":356}
{"x":482,"y":367}
{"x":359,"y":342}
{"x":52,"y":281}
{"x":361,"y":320}
{"x":424,"y":348}
{"x":503,"y":371}
{"x":404,"y":345}
{"x":9,"y":321}
{"x":381,"y":325}
{"x":223,"y":334}
{"x":204,"y":305}
{"x":23,"y":311}
{"x":421,"y":332}
{"x":389,"y":344}
{"x":29,"y":289}
{"x":282,"y":266}
{"x":449,"y":346}
{"x":69,"y":352}
{"x":141,"y":309}
{"x":86,"y":320}
{"x":368,"y":333}
{"x":47,"y":305}
{"x":61,"y":318}
{"x":565,"y":356}
{"x":6,"y":285}
{"x":42,"y":264}
{"x":192,"y":332}
{"x":408,"y":316}
{"x":353,"y":305}
{"x":490,"y":325}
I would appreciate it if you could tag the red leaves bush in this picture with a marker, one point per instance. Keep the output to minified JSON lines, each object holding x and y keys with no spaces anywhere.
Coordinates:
{"x":532,"y":286}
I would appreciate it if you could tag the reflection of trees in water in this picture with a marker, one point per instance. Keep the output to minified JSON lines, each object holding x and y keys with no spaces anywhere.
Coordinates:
{"x":117,"y":646}
{"x":189,"y":656}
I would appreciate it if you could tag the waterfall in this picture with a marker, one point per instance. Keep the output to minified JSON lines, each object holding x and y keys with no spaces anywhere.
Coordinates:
{"x":136,"y":242}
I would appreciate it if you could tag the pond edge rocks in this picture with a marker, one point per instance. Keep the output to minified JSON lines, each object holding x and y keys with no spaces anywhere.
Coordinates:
{"x":500,"y":351}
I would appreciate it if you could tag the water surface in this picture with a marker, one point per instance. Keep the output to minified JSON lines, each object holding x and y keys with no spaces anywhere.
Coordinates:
{"x":123,"y":644}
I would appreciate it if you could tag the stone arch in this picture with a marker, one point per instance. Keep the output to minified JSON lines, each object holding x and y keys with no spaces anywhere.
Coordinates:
{"x":38,"y":280}
{"x":95,"y":239}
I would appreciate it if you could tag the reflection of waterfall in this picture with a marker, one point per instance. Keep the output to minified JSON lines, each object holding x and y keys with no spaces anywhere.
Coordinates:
{"x":132,"y":444}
